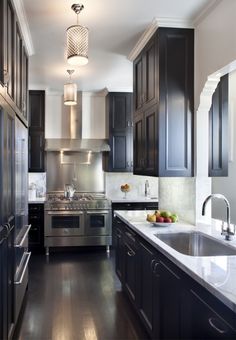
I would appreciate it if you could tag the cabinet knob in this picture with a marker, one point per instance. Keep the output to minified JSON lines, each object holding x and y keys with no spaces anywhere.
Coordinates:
{"x":128,"y":123}
{"x":6,"y":77}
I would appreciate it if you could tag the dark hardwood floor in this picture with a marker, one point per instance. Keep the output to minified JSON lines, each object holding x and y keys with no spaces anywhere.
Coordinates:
{"x":76,"y":296}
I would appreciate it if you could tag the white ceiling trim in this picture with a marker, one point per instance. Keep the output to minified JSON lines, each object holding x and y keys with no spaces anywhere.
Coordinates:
{"x":207,"y":9}
{"x":24,"y":25}
{"x":151,"y":29}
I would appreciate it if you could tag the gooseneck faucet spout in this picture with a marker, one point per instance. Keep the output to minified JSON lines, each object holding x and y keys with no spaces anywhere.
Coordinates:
{"x":228,"y":232}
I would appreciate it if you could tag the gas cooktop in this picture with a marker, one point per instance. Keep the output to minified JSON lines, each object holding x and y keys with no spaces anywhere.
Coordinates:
{"x":80,"y":201}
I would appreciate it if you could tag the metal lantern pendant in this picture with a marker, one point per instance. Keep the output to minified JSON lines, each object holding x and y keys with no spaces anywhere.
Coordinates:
{"x":77,"y":41}
{"x":70,"y":91}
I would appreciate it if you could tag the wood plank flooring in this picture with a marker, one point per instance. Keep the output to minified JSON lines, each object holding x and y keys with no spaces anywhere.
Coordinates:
{"x":76,"y":296}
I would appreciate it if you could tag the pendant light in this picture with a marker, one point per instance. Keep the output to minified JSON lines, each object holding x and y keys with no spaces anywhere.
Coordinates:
{"x":77,"y":41}
{"x":70,"y":91}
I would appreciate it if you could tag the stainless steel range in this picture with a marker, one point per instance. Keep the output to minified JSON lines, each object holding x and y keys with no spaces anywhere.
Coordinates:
{"x":84,"y":220}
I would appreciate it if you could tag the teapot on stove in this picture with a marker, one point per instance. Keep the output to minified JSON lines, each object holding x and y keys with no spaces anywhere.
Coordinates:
{"x":69,"y":191}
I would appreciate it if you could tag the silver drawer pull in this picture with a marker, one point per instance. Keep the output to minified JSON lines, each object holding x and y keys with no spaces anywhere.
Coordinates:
{"x":211,"y":322}
{"x":99,"y":212}
{"x":65,"y":213}
{"x":24,"y":270}
{"x":131,"y":253}
{"x":21,"y":244}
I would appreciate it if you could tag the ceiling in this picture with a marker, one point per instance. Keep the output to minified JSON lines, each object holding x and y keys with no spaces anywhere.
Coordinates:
{"x":114,"y":28}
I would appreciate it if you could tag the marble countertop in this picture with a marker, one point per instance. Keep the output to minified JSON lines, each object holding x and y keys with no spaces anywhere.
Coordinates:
{"x":38,"y":200}
{"x":216,"y":273}
{"x":137,"y":199}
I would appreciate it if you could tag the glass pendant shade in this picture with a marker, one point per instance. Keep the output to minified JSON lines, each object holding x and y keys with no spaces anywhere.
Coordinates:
{"x":70,"y":94}
{"x":77,"y":45}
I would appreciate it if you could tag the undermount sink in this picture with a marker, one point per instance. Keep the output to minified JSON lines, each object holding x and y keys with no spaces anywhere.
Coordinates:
{"x":196,"y":244}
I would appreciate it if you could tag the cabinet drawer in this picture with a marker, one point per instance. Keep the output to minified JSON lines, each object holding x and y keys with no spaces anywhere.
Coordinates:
{"x":36,"y":208}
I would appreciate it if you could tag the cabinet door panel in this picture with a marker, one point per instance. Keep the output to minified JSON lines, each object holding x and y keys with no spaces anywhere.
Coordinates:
{"x":120,"y":112}
{"x":170,"y":302}
{"x":218,"y":132}
{"x":18,"y":68}
{"x":24,"y":83}
{"x":145,"y":286}
{"x":37,"y":110}
{"x":119,"y":254}
{"x":200,"y":321}
{"x":9,"y":48}
{"x":138,"y":84}
{"x":138,"y":144}
{"x":130,"y":259}
{"x":176,"y":102}
{"x":151,"y":142}
{"x":119,"y":151}
{"x":36,"y":152}
{"x":151,"y":73}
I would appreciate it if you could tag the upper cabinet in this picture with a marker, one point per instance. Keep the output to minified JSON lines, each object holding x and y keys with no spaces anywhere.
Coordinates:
{"x":218,"y":130}
{"x":36,"y":131}
{"x":120,"y":126}
{"x":13,"y":61}
{"x":145,"y":77}
{"x":163,"y":105}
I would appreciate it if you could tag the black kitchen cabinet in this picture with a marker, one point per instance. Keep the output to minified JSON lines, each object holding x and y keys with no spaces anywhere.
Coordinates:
{"x":119,"y":119}
{"x":130,"y":206}
{"x":7,"y":197}
{"x":25,"y":96}
{"x":7,"y":284}
{"x":145,"y":77}
{"x":145,"y":141}
{"x":18,"y":68}
{"x":163,"y":128}
{"x":169,"y":299}
{"x":203,"y":317}
{"x":170,"y":304}
{"x":36,"y":131}
{"x":145,"y":283}
{"x":119,"y":234}
{"x":130,"y":264}
{"x":36,"y":233}
{"x":13,"y":61}
{"x":218,"y":130}
{"x":9,"y":48}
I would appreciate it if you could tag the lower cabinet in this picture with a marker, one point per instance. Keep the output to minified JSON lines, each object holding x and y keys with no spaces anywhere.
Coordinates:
{"x":202,"y":319}
{"x":145,"y":285}
{"x":7,"y":285}
{"x":36,"y":233}
{"x":170,"y":304}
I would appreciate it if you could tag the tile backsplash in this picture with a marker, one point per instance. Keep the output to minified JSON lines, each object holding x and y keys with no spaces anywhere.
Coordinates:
{"x":113,"y":182}
{"x":38,"y":181}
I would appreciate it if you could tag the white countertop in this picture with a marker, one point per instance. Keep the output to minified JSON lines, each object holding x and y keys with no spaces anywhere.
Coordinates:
{"x":216,"y":273}
{"x":138,"y":199}
{"x":38,"y":200}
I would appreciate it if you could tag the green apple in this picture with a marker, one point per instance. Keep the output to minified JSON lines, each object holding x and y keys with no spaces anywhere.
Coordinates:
{"x":174,"y":217}
{"x":165,"y":214}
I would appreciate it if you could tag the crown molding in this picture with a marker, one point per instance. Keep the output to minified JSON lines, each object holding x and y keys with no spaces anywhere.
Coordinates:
{"x":24,"y":25}
{"x":151,"y":29}
{"x":205,"y":12}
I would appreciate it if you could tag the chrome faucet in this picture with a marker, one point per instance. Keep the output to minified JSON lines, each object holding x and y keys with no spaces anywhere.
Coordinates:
{"x":228,"y":232}
{"x":147,"y":188}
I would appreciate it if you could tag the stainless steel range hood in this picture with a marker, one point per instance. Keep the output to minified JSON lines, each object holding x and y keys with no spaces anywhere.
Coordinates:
{"x":76,"y":143}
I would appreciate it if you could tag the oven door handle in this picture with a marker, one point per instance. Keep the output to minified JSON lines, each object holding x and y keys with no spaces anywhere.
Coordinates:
{"x":100,"y":212}
{"x":24,"y":270}
{"x":64,"y":213}
{"x":20,"y":245}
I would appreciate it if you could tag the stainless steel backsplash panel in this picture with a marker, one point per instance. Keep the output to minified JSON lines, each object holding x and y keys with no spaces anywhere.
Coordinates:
{"x":84,"y":170}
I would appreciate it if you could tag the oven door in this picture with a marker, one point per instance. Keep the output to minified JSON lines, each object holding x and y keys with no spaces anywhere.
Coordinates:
{"x":64,"y":223}
{"x":98,"y":222}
